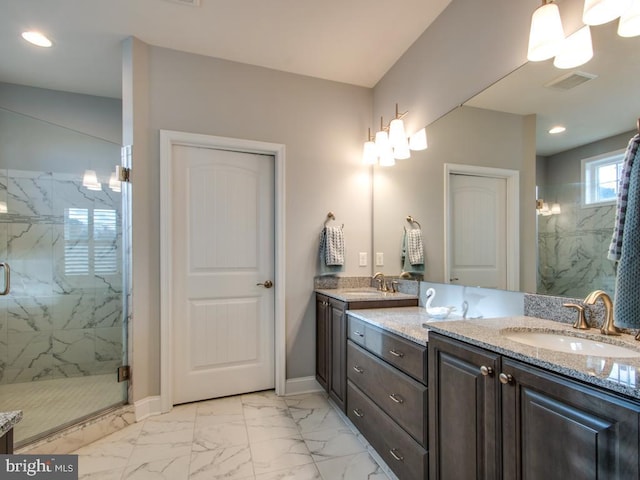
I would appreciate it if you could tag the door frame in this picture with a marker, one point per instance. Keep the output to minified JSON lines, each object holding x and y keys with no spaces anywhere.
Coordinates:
{"x":512,"y":178}
{"x":169,"y":138}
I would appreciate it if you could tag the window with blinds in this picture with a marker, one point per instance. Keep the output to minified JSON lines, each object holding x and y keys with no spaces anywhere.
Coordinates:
{"x":90,"y":245}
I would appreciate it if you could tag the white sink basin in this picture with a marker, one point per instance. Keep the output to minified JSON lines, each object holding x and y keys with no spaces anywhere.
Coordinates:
{"x":560,"y":342}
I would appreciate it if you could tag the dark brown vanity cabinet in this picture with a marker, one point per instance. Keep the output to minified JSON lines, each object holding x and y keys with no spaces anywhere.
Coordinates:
{"x":493,"y":417}
{"x":331,"y":341}
{"x":6,"y":443}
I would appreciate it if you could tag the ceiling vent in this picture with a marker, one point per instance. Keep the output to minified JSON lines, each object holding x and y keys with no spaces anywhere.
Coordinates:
{"x":570,"y":80}
{"x":191,"y":3}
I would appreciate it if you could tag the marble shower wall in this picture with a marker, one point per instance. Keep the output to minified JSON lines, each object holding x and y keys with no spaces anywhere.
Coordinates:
{"x":63,"y":316}
{"x":572,"y":250}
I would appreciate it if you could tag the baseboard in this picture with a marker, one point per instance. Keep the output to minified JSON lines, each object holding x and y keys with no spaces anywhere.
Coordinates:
{"x":147,"y":407}
{"x":297,"y":386}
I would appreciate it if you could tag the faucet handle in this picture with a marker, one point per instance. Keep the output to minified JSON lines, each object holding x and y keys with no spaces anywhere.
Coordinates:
{"x":581,"y":321}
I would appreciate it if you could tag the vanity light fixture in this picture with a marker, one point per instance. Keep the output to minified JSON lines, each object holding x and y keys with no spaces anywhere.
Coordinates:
{"x":557,"y":129}
{"x":575,"y":50}
{"x":37,"y":38}
{"x":546,"y":34}
{"x":90,"y":180}
{"x":629,"y":23}
{"x":114,"y":183}
{"x":597,"y":12}
{"x":418,"y":141}
{"x":383,"y":147}
{"x":398,"y":138}
{"x":369,"y":152}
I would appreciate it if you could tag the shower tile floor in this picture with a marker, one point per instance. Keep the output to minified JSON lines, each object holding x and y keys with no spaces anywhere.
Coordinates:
{"x":49,"y":404}
{"x":257,"y":436}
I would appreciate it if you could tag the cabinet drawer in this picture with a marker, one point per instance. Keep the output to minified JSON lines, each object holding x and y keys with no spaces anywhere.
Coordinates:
{"x":357,"y":331}
{"x":405,"y":457}
{"x":401,"y":397}
{"x":408,"y":356}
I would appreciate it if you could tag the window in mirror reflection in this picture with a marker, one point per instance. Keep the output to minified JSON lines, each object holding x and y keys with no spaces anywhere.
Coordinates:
{"x":601,"y":178}
{"x":90,"y":241}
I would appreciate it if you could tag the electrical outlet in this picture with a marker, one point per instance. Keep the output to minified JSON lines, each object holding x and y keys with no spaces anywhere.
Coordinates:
{"x":379,"y":259}
{"x":363,"y":259}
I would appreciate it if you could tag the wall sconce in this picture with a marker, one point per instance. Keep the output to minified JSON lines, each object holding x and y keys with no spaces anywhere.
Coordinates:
{"x":546,"y":34}
{"x":629,"y":23}
{"x":90,"y":180}
{"x":391,"y":142}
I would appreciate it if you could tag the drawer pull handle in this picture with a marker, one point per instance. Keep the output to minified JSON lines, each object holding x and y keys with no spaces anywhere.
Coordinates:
{"x":396,"y":354}
{"x":396,"y":398}
{"x":358,"y":413}
{"x":358,"y":333}
{"x":394,"y":453}
{"x":486,"y":371}
{"x":358,"y":369}
{"x":505,"y":378}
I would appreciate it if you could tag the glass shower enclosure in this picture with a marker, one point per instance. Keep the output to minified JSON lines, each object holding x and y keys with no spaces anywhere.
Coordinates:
{"x":63,"y":319}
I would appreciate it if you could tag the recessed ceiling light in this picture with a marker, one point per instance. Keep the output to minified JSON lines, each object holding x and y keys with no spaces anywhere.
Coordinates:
{"x":37,"y":38}
{"x":557,"y":129}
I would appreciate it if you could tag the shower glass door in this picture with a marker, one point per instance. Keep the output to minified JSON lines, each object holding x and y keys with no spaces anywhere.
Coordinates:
{"x":63,"y":320}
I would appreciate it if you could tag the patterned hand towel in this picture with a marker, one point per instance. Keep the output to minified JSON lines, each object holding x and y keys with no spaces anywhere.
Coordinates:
{"x":407,"y":266}
{"x":415,"y":249}
{"x":615,"y":249}
{"x":627,"y":297}
{"x":332,"y":244}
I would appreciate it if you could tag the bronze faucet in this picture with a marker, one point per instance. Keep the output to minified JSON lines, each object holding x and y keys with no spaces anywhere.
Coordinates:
{"x":608,"y":327}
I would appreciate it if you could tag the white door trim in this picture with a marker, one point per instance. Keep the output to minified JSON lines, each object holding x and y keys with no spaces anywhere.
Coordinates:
{"x":512,"y":178}
{"x":168,"y":139}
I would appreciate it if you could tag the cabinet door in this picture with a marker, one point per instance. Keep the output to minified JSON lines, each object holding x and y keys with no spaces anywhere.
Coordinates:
{"x":463,"y":411}
{"x":338,"y":358}
{"x":556,"y":428}
{"x":322,"y":341}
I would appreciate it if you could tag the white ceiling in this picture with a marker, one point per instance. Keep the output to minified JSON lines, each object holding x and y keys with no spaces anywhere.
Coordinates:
{"x":354,"y":41}
{"x":605,"y":106}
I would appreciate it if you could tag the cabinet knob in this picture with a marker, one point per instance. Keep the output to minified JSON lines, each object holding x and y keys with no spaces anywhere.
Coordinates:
{"x":358,"y":369}
{"x":486,"y":371}
{"x":505,"y":378}
{"x":396,"y":454}
{"x":358,"y":413}
{"x":396,"y":354}
{"x":396,"y":398}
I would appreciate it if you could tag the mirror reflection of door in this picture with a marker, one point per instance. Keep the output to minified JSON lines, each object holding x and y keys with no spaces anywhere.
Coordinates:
{"x":478,"y":229}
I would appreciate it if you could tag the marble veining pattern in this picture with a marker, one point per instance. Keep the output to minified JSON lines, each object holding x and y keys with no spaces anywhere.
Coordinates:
{"x":231,"y":438}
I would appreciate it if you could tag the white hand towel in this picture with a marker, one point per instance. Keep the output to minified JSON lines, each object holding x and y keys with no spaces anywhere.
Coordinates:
{"x":333,"y":245}
{"x":415,"y":249}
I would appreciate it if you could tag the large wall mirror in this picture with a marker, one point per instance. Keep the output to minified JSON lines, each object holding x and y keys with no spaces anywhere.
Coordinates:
{"x":563,"y":252}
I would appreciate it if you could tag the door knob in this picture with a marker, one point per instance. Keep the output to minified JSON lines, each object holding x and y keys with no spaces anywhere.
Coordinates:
{"x":266,"y":284}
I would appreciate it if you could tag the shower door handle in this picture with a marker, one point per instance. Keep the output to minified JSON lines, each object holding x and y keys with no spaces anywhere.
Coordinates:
{"x":7,"y":278}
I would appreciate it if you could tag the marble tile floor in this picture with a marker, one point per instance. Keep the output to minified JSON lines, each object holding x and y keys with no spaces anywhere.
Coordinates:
{"x":256,"y":436}
{"x":50,"y":404}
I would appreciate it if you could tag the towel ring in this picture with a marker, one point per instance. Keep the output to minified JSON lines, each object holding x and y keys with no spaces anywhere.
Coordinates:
{"x":410,"y":219}
{"x":331,"y":216}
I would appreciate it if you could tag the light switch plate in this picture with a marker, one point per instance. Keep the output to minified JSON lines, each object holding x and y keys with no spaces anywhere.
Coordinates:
{"x":363,"y":259}
{"x":379,"y":259}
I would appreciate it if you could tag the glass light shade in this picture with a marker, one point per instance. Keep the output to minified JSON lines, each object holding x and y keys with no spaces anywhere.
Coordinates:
{"x":402,"y":152}
{"x":576,"y":49}
{"x":3,"y":207}
{"x":89,"y":178}
{"x":629,"y":24}
{"x":397,"y":137}
{"x":369,"y":153}
{"x":555,"y":209}
{"x":114,"y":183}
{"x":546,"y":33}
{"x":597,"y":12}
{"x":418,"y":141}
{"x":383,"y":147}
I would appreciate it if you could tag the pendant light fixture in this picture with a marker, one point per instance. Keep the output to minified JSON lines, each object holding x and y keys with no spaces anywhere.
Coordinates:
{"x":576,"y":50}
{"x":546,"y":32}
{"x":597,"y":12}
{"x":629,"y":23}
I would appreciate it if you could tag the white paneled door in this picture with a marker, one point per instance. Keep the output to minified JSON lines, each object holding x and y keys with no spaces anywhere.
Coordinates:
{"x":478,"y":232}
{"x":222,"y":310}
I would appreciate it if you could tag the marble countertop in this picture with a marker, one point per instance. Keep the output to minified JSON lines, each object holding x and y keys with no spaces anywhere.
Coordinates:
{"x":8,"y":420}
{"x":621,"y":375}
{"x":365,"y":294}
